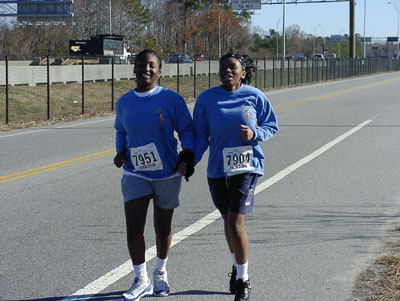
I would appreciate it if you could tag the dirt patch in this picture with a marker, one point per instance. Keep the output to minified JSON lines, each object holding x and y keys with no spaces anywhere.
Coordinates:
{"x":381,"y":280}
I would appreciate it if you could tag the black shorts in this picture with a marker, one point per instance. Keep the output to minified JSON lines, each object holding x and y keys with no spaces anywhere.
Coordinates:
{"x":234,"y":194}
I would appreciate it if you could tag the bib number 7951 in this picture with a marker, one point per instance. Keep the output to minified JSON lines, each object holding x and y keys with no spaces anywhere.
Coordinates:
{"x":146,"y":158}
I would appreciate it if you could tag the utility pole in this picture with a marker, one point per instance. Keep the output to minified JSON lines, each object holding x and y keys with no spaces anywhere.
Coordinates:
{"x":219,"y":31}
{"x":283,"y":32}
{"x":352,"y":37}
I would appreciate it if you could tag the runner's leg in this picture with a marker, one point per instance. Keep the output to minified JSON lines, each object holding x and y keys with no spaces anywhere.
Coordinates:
{"x":135,"y":215}
{"x":162,"y":227}
{"x":238,"y":236}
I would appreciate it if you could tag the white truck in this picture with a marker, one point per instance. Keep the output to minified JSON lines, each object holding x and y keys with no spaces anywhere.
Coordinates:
{"x":102,"y":46}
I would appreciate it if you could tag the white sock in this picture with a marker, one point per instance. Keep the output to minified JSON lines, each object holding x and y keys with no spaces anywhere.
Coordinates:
{"x":161,"y":264}
{"x":141,"y":271}
{"x":242,"y":271}
{"x":234,"y":259}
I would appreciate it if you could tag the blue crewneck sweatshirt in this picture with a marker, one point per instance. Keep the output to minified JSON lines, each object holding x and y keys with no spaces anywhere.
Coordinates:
{"x":217,"y":117}
{"x":153,"y":119}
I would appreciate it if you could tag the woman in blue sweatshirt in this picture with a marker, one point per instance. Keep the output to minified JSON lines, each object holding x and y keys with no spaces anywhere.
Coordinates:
{"x":147,"y":149}
{"x":231,"y":119}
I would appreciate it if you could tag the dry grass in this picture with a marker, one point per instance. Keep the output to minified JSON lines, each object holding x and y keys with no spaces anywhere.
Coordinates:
{"x":27,"y":106}
{"x":381,"y":281}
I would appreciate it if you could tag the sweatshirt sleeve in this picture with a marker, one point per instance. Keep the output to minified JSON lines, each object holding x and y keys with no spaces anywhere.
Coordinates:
{"x":184,"y":125}
{"x":120,"y":139}
{"x":201,"y":128}
{"x":266,"y":119}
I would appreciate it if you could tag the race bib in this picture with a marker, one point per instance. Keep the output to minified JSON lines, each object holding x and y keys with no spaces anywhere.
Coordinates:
{"x":146,"y":158}
{"x":238,"y":160}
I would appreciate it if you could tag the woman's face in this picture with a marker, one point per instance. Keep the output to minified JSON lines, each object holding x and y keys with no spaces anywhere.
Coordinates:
{"x":147,"y":70}
{"x":231,"y":73}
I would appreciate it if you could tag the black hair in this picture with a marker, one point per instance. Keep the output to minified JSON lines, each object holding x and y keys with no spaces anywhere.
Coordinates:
{"x":246,"y":62}
{"x":146,"y":51}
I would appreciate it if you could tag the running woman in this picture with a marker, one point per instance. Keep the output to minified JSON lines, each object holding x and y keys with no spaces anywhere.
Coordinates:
{"x":147,"y":149}
{"x":231,"y":119}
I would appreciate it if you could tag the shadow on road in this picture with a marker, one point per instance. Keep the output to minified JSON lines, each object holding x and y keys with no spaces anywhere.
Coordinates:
{"x":198,"y":292}
{"x":117,"y":296}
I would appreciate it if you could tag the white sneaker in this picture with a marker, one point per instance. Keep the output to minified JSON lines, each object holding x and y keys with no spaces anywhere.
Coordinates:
{"x":160,"y":281}
{"x":138,"y":290}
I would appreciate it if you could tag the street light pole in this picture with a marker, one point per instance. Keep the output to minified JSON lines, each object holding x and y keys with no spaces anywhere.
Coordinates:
{"x":277,"y":36}
{"x":395,"y":6}
{"x":365,"y":11}
{"x":283,"y":31}
{"x":314,"y":36}
{"x":340,"y":33}
{"x":110,"y":20}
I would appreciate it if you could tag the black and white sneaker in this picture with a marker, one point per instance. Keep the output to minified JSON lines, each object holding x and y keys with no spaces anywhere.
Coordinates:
{"x":232,"y":281}
{"x":243,"y":289}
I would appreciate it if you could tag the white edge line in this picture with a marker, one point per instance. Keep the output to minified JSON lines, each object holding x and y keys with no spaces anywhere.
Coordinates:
{"x":124,"y":269}
{"x":280,"y":175}
{"x":58,"y":127}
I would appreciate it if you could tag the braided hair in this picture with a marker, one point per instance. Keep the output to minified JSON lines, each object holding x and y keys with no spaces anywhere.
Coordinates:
{"x":146,"y":51}
{"x":247,"y":64}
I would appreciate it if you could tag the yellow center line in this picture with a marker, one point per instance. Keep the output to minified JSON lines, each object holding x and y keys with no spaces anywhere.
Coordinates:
{"x":325,"y":96}
{"x":55,"y":166}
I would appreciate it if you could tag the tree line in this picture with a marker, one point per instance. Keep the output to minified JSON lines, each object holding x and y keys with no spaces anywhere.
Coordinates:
{"x":168,"y":26}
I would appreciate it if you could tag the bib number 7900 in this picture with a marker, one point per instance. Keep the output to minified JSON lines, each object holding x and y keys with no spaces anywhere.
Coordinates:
{"x":146,"y":158}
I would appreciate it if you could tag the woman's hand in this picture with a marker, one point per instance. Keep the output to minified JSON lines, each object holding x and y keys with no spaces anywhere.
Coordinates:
{"x":119,"y":159}
{"x":185,"y":165}
{"x":181,"y":168}
{"x":246,"y":133}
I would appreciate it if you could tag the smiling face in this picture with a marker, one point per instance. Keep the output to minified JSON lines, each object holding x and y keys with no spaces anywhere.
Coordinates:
{"x":147,"y":70}
{"x":231,"y":73}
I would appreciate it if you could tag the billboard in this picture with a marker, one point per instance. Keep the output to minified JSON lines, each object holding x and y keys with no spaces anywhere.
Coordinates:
{"x":46,"y":11}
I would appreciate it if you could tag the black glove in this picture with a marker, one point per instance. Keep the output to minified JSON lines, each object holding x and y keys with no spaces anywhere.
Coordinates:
{"x":186,"y":156}
{"x":119,"y":159}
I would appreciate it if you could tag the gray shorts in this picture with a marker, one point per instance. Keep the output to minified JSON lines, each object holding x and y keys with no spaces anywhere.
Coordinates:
{"x":164,"y":192}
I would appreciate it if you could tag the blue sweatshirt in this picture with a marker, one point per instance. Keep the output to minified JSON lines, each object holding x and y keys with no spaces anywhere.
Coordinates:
{"x":217,"y":117}
{"x":142,"y":121}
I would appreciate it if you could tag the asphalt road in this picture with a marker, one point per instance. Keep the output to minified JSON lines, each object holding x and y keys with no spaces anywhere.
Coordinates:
{"x":329,"y":194}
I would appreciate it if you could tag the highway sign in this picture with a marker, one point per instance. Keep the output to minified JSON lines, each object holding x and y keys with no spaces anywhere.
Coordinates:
{"x":366,"y":39}
{"x":245,"y":4}
{"x":336,"y":38}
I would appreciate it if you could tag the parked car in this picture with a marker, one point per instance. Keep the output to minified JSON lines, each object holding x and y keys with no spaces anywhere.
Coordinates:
{"x":332,"y":55}
{"x":289,"y":57}
{"x":182,"y":57}
{"x":302,"y":58}
{"x":319,"y":56}
{"x":198,"y":57}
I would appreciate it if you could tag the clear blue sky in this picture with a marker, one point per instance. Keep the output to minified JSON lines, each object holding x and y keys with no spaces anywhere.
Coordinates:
{"x":381,"y":18}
